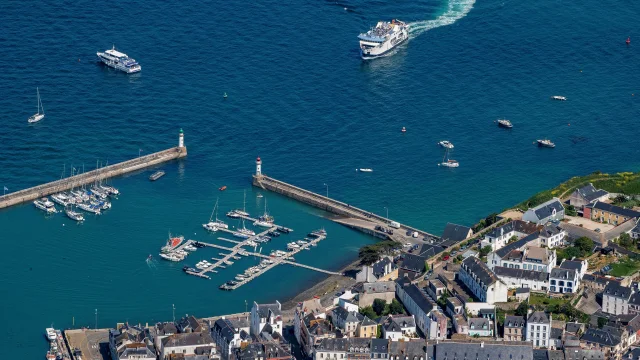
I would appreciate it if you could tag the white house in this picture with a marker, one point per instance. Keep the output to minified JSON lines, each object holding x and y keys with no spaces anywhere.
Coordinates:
{"x":578,"y":265}
{"x":417,"y":303}
{"x":263,"y":314}
{"x":480,"y":326}
{"x":498,"y":237}
{"x":131,"y":342}
{"x":538,"y":329}
{"x":519,"y":278}
{"x":551,"y":235}
{"x":399,"y":327}
{"x":545,"y":212}
{"x":381,"y":269}
{"x":587,"y":195}
{"x":615,"y":299}
{"x":437,"y":329}
{"x":347,"y":305}
{"x":530,"y":258}
{"x":495,"y":257}
{"x":482,"y":282}
{"x":564,"y":280}
{"x":229,"y":334}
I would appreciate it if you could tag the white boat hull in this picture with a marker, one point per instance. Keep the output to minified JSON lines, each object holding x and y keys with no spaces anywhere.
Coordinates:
{"x":35,"y":118}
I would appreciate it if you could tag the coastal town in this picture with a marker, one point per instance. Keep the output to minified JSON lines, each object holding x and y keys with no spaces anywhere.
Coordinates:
{"x":556,"y":280}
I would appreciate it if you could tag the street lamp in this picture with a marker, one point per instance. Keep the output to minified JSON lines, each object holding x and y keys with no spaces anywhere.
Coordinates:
{"x":327,"y":189}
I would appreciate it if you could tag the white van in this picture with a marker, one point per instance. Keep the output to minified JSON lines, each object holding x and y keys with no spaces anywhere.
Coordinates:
{"x":394,"y":224}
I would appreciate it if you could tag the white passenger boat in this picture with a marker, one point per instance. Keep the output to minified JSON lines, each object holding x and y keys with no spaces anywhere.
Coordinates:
{"x":292,"y":246}
{"x":557,"y":97}
{"x":38,"y":115}
{"x":446,"y":144}
{"x":505,"y":123}
{"x":546,"y":143}
{"x":42,"y":205}
{"x":210,"y":227}
{"x":382,"y":38}
{"x":118,"y":60}
{"x":51,"y":334}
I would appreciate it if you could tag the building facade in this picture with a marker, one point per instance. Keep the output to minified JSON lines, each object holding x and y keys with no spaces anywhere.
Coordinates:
{"x":551,"y":210}
{"x":538,"y":329}
{"x":482,"y":282}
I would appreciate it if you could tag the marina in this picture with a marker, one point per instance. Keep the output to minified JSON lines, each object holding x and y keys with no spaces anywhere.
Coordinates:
{"x":94,"y":176}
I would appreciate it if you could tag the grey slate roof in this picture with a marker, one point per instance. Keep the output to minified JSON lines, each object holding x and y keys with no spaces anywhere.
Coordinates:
{"x":475,"y":266}
{"x":347,"y":316}
{"x":538,"y":317}
{"x":571,"y":264}
{"x":225,"y":329}
{"x":555,"y":355}
{"x":512,"y":321}
{"x":502,"y":252}
{"x":617,"y":210}
{"x":379,"y":266}
{"x":415,"y":263}
{"x":556,"y":334}
{"x":520,"y":273}
{"x":583,"y":354}
{"x":573,"y":327}
{"x":345,"y":344}
{"x":589,"y":192}
{"x":455,"y":232}
{"x":379,"y":346}
{"x":515,"y":225}
{"x":379,"y":287}
{"x":367,"y":322}
{"x":546,"y":209}
{"x":429,"y":250}
{"x":451,"y":350}
{"x":635,"y":299}
{"x":616,"y":290}
{"x":187,"y":339}
{"x":398,"y":322}
{"x":549,"y":230}
{"x":420,"y":297}
{"x":264,"y":309}
{"x":607,"y":336}
{"x":412,"y":349}
{"x":523,"y":290}
{"x":564,"y":274}
{"x":479,"y":324}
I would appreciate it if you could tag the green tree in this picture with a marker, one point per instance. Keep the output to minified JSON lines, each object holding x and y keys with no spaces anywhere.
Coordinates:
{"x":396,"y":307}
{"x":442,"y":301}
{"x":368,"y":312}
{"x":522,"y":309}
{"x":512,"y":239}
{"x":625,"y":240}
{"x":378,"y":306}
{"x":379,"y":332}
{"x":584,"y":244}
{"x":485,"y":251}
{"x":491,"y":219}
{"x":602,"y":322}
{"x":570,"y":210}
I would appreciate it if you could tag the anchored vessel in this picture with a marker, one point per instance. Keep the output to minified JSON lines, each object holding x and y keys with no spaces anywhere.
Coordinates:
{"x":156,"y":175}
{"x":382,"y":38}
{"x":446,"y":144}
{"x":546,"y":143}
{"x":558,"y":97}
{"x":505,"y":123}
{"x":446,"y":162}
{"x":117,"y":60}
{"x":39,"y":115}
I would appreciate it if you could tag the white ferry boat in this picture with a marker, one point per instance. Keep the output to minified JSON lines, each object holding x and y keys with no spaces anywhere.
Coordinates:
{"x":120,"y":61}
{"x":383,"y":38}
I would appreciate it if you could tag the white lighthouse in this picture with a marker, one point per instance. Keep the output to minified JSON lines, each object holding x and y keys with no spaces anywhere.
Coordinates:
{"x":258,"y":167}
{"x":181,"y":139}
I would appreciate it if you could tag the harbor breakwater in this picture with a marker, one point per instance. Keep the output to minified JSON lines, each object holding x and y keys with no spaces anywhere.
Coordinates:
{"x":92,"y":176}
{"x":333,"y":206}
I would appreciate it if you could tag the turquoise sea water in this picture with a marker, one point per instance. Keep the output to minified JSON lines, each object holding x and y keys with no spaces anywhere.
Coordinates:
{"x":302,"y":100}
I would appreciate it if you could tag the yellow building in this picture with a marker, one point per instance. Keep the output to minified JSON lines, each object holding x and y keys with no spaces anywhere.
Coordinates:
{"x":367,"y":328}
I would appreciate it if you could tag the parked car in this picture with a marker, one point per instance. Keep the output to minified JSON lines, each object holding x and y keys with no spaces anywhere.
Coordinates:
{"x":597,"y":230}
{"x":454,"y":252}
{"x":447,"y":257}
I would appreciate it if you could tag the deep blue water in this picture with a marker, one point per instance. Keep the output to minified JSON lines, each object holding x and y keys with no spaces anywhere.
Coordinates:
{"x":300,"y":98}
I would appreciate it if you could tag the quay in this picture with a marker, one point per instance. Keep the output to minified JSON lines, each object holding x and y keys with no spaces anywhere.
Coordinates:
{"x":106,"y":172}
{"x":351,"y":216}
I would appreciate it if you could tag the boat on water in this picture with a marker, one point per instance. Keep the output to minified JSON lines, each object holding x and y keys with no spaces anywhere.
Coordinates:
{"x":273,"y":233}
{"x":263,"y":223}
{"x":246,"y":231}
{"x":120,"y":61}
{"x":505,"y":123}
{"x":319,"y":232}
{"x":232,"y":283}
{"x":61,"y":199}
{"x":190,"y":248}
{"x":223,"y":188}
{"x":45,"y":205}
{"x":446,"y":162}
{"x":560,"y":98}
{"x":50,"y":333}
{"x":90,"y":208}
{"x":98,"y":193}
{"x":292,"y":246}
{"x":189,"y":269}
{"x":404,"y":130}
{"x":109,"y":190}
{"x":171,"y":257}
{"x":74,"y":215}
{"x":240,"y":277}
{"x":301,"y":242}
{"x":156,"y":175}
{"x":259,"y":196}
{"x":446,"y":144}
{"x":214,"y":225}
{"x":172,"y":244}
{"x":232,"y":214}
{"x":39,"y":115}
{"x":545,"y":143}
{"x":383,"y":38}
{"x":283,"y":229}
{"x":251,"y":243}
{"x":364,"y":170}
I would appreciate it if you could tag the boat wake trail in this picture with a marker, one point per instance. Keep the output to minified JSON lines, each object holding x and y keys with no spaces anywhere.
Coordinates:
{"x":455,"y":10}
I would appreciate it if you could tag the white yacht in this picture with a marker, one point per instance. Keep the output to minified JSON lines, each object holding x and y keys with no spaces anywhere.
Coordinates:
{"x":51,"y":334}
{"x":292,"y":246}
{"x":446,"y":162}
{"x":364,"y":170}
{"x":171,"y":257}
{"x":251,"y":243}
{"x":117,"y":60}
{"x":45,"y":205}
{"x":61,"y":199}
{"x":446,"y":144}
{"x":382,"y":38}
{"x":73,"y":215}
{"x":39,"y":115}
{"x":90,"y":208}
{"x":210,"y":227}
{"x":214,"y":225}
{"x":557,"y":97}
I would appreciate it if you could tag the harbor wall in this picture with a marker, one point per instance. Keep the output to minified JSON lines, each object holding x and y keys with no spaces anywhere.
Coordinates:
{"x":325,"y":203}
{"x":106,"y":172}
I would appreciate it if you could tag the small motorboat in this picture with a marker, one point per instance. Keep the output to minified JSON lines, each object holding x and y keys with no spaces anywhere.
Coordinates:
{"x":156,"y":175}
{"x":171,"y":257}
{"x":364,"y":170}
{"x":404,"y":130}
{"x":446,"y":144}
{"x":223,"y":188}
{"x":283,"y":229}
{"x":557,"y":97}
{"x":150,"y":257}
{"x":74,"y":215}
{"x":225,"y":95}
{"x":505,"y":123}
{"x":259,"y":196}
{"x":546,"y":143}
{"x":628,"y":40}
{"x":233,"y":214}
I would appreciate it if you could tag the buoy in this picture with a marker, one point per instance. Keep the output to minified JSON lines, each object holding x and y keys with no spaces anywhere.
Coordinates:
{"x":628,"y":40}
{"x":569,"y":124}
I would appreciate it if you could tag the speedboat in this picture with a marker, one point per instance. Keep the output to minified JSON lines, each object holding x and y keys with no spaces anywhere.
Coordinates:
{"x":273,"y":233}
{"x":210,"y":227}
{"x":189,"y":269}
{"x":259,"y":196}
{"x":73,"y":215}
{"x":172,"y":244}
{"x":190,"y":248}
{"x":41,"y":205}
{"x":320,"y":232}
{"x":557,"y":97}
{"x":546,"y":143}
{"x":171,"y":257}
{"x":110,"y":190}
{"x":240,"y":277}
{"x":446,"y":144}
{"x":505,"y":123}
{"x":231,"y":283}
{"x":263,"y":223}
{"x":223,"y":188}
{"x":51,"y":334}
{"x":233,"y":214}
{"x":301,"y":242}
{"x":283,"y":229}
{"x":364,"y":170}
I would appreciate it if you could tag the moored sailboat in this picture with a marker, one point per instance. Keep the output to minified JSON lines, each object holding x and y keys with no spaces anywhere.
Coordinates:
{"x":38,"y":115}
